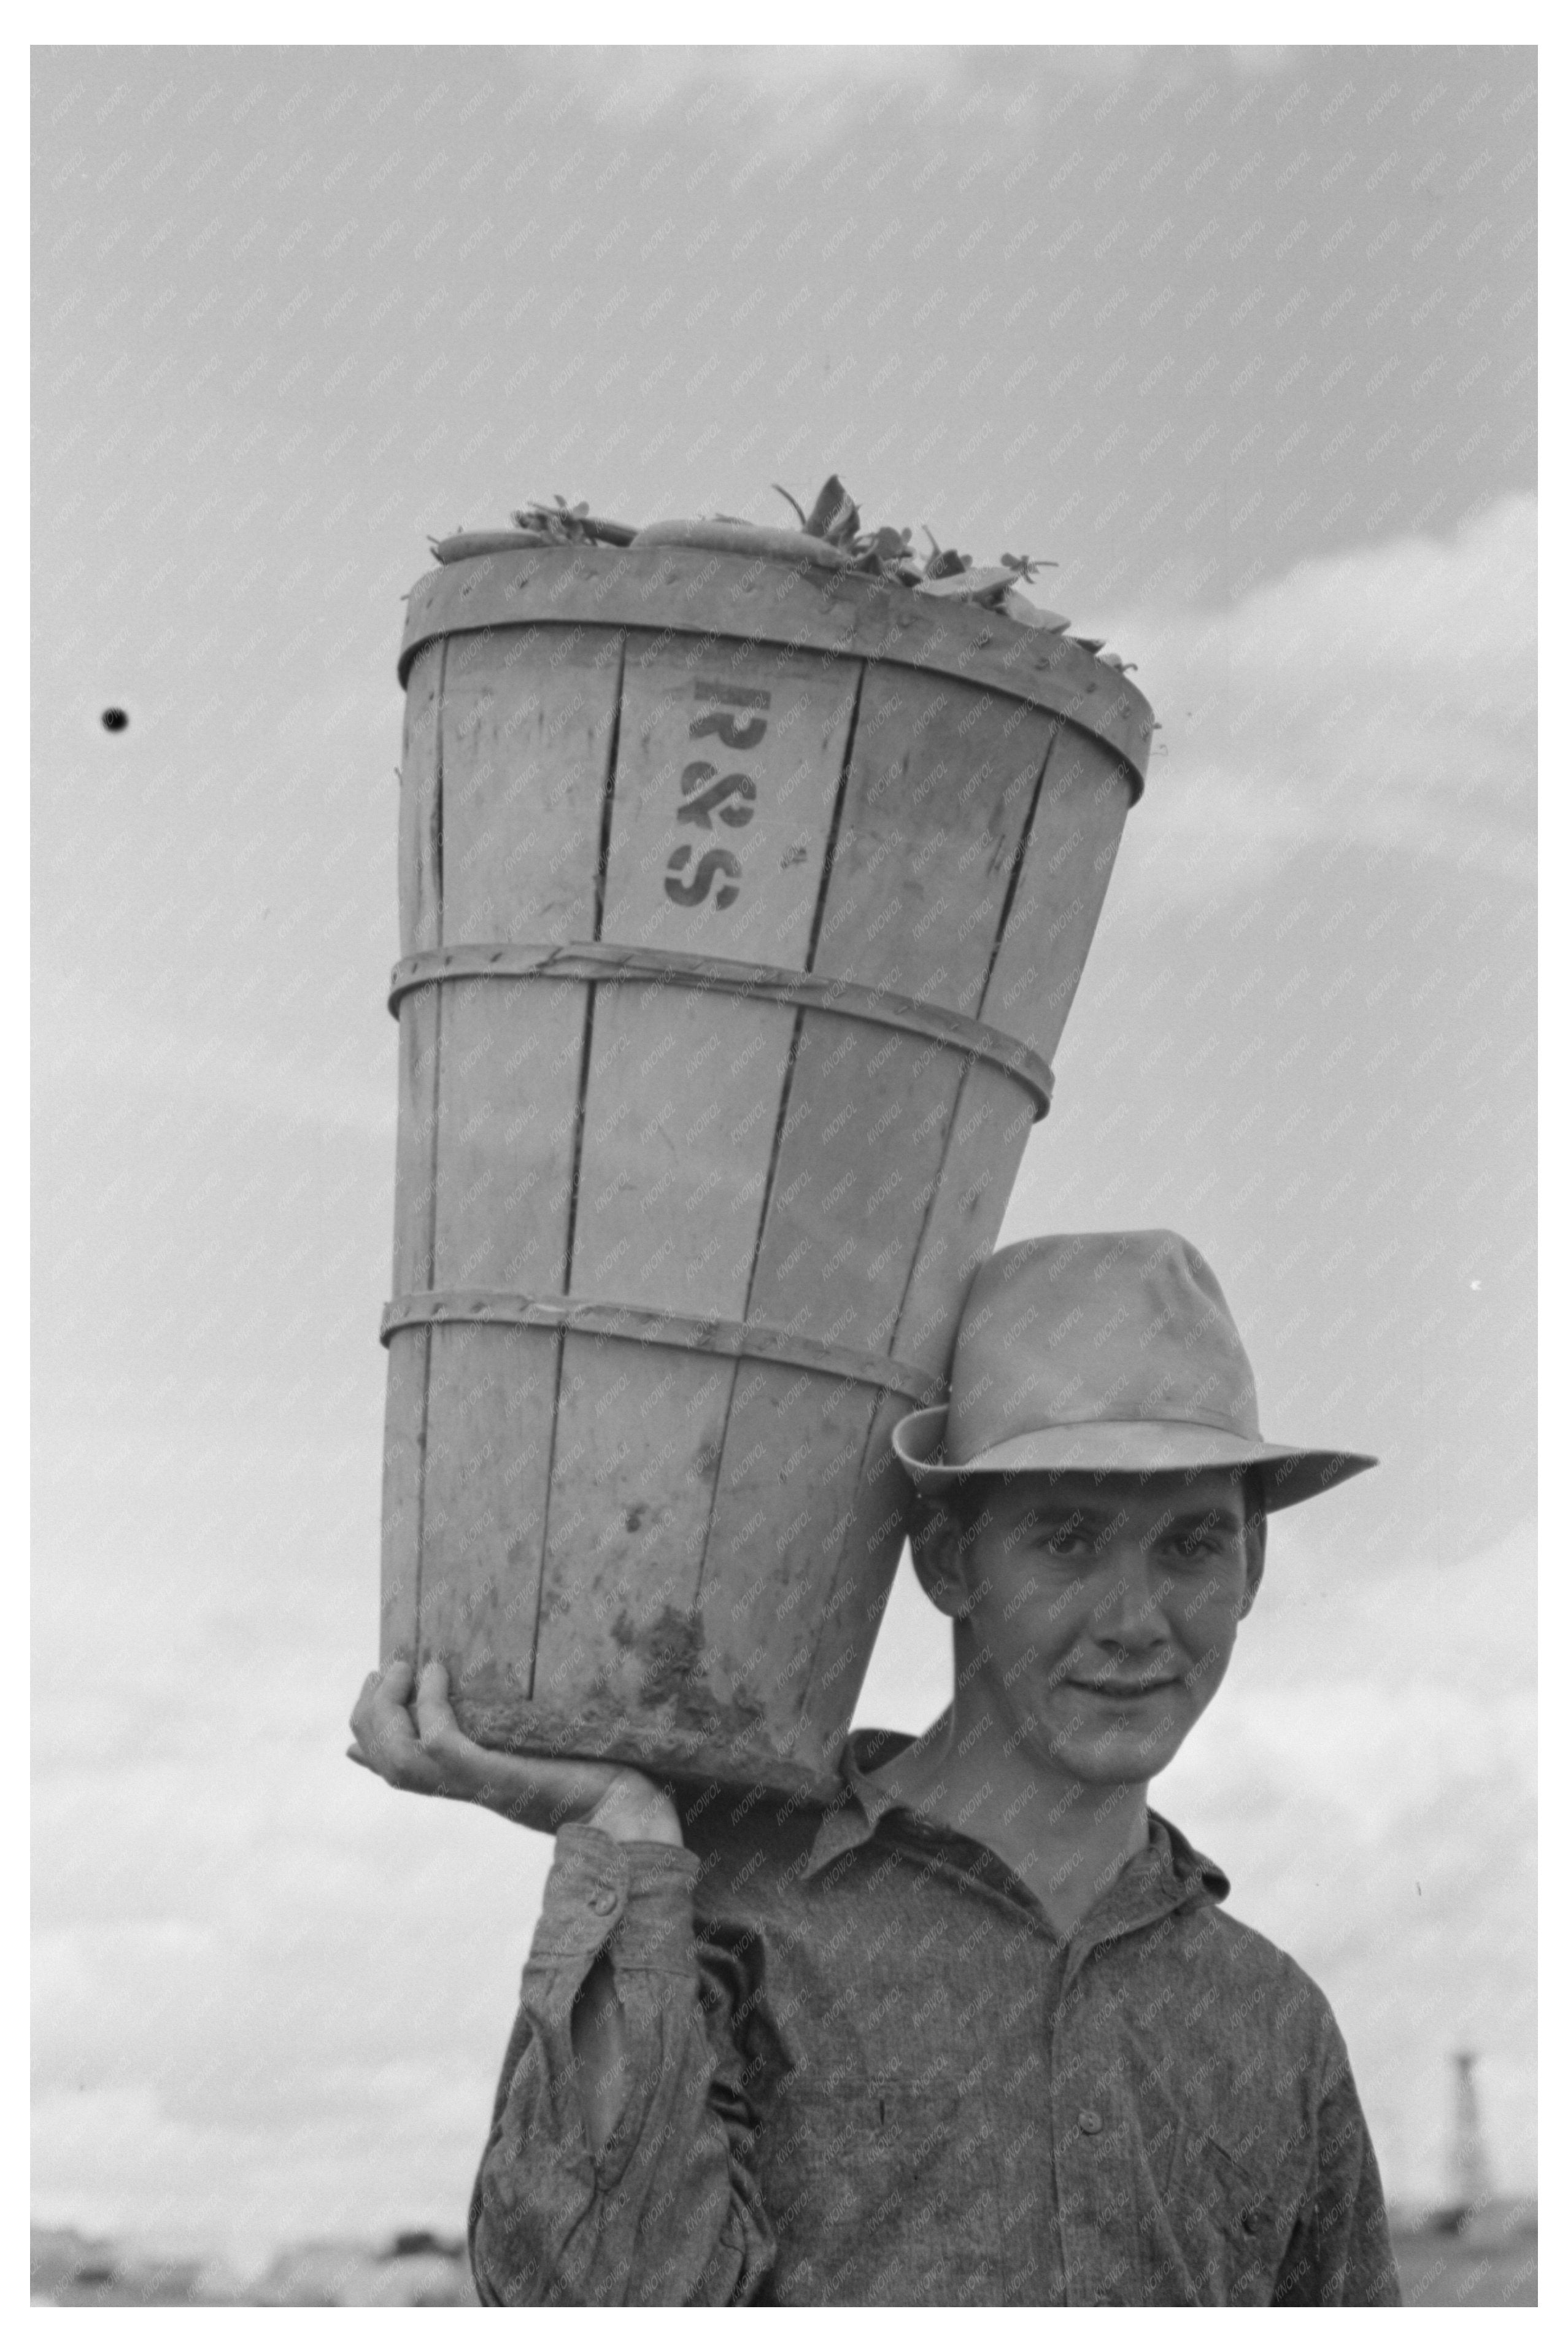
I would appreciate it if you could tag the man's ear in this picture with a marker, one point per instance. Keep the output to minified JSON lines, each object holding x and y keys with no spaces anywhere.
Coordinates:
{"x":936,"y":1546}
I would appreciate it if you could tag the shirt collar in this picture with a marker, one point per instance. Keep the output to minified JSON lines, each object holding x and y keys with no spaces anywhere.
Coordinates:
{"x":851,"y":1817}
{"x":1166,"y":1875}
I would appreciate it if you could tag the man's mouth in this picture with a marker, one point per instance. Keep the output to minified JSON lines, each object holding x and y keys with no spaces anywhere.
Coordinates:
{"x":1104,"y":1687}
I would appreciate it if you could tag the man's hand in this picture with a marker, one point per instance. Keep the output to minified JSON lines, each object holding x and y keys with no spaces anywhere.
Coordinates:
{"x":425,"y":1751}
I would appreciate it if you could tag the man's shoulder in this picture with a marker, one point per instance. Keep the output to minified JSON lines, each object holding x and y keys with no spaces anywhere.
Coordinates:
{"x":753,"y":1844}
{"x":1241,"y":1964}
{"x":1201,"y":1915}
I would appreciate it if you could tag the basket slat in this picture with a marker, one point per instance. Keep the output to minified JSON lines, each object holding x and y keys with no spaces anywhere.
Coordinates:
{"x":939,"y":792}
{"x":986,"y":1140}
{"x":874,"y":1526}
{"x":487,"y":1481}
{"x":527,"y":724}
{"x":419,"y":808}
{"x":1077,"y":829}
{"x":402,"y":1490}
{"x":414,"y":1216}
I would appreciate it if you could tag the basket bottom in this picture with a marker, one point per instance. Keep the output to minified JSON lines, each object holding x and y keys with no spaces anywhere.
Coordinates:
{"x":658,"y":1744}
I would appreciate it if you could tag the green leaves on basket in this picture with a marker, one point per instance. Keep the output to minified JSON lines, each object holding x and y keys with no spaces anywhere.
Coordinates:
{"x":890,"y":547}
{"x":566,"y":525}
{"x":886,"y":553}
{"x":835,"y":515}
{"x":1026,"y":566}
{"x":943,"y":563}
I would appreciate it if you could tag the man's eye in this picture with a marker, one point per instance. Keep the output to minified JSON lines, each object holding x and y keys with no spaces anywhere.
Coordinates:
{"x":1067,"y":1541}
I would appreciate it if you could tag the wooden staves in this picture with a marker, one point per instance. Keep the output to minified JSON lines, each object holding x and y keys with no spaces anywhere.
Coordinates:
{"x":681,"y":1231}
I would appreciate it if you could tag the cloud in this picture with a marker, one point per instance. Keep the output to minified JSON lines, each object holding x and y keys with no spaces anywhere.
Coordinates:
{"x":929,"y":112}
{"x":1262,"y":63}
{"x":269,"y":1997}
{"x":769,"y":104}
{"x":1367,"y":1781}
{"x":1382,"y":699}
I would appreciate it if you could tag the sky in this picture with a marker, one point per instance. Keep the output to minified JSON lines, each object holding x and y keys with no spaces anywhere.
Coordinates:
{"x":1244,"y":343}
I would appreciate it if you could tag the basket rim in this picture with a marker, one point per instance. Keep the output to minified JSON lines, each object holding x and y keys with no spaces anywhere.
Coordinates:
{"x":763,"y":600}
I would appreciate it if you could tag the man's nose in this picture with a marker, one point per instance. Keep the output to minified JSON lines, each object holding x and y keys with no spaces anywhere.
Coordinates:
{"x":1130,"y":1611}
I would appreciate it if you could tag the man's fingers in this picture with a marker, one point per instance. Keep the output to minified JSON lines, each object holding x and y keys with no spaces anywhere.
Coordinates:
{"x":441,"y":1736}
{"x":412,"y":1738}
{"x":382,"y":1686}
{"x":368,"y":1689}
{"x":409,"y":1771}
{"x":432,"y":1704}
{"x":384,"y":1732}
{"x":543,"y":1791}
{"x":438,"y":1728}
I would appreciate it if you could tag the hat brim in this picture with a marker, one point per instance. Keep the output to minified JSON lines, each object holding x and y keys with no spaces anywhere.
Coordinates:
{"x":1291,"y":1473}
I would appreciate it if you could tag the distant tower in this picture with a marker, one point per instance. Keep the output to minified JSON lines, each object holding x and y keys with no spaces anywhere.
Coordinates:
{"x":1471,"y":2173}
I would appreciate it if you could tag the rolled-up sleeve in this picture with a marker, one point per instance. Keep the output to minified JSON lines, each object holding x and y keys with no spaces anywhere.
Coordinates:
{"x":668,"y":2211}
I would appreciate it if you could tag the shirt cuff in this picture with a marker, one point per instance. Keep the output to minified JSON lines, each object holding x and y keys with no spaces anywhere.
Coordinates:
{"x":635,"y":1898}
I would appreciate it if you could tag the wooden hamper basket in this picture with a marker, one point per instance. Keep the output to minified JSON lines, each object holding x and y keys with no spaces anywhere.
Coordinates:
{"x":742,"y":908}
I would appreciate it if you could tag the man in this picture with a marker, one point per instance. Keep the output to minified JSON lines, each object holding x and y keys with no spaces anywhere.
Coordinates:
{"x":978,"y":2031}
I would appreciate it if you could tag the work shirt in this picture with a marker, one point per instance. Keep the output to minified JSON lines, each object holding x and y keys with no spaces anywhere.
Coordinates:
{"x":863,"y":2069}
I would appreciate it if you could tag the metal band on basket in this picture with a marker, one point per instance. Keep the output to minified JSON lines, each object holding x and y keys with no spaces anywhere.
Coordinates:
{"x":652,"y":1326}
{"x":598,"y":961}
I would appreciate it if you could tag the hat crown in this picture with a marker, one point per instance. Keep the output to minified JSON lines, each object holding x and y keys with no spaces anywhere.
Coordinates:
{"x":1076,"y":1327}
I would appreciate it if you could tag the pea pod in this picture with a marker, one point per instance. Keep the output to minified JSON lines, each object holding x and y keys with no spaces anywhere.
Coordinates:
{"x":743,"y":539}
{"x":463,"y":543}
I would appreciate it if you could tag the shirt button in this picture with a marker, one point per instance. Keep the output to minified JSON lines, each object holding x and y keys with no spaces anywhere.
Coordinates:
{"x":601,"y":1900}
{"x":1089,"y":2121}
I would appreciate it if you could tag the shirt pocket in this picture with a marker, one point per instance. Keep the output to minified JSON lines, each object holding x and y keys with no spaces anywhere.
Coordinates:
{"x":881,"y":2192}
{"x":1230,"y":2223}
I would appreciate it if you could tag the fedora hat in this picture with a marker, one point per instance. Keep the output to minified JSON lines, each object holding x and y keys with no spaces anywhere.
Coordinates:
{"x":1104,"y":1351}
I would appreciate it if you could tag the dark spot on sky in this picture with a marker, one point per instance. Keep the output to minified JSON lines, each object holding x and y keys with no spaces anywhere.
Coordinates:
{"x":115,"y":720}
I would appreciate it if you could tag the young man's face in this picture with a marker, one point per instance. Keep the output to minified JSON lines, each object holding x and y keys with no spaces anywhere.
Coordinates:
{"x":1105,"y":1610}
